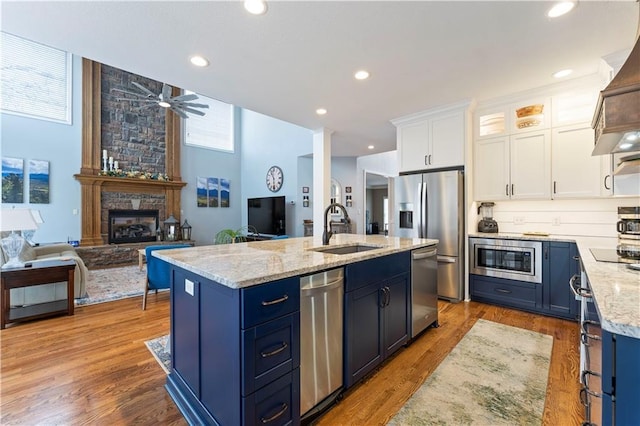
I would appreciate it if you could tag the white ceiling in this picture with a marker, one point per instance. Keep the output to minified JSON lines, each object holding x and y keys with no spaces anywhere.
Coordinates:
{"x":302,"y":55}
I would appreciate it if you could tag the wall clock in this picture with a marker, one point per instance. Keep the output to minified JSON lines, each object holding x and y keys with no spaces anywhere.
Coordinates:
{"x":275,"y":178}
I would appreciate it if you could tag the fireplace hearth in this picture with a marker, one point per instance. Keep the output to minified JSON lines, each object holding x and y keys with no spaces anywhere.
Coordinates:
{"x":132,"y":226}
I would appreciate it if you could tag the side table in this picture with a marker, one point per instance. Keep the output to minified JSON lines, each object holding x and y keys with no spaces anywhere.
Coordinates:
{"x":51,"y":271}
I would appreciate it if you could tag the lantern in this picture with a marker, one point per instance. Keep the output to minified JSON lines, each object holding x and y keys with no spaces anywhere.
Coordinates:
{"x":171,"y":228}
{"x":186,"y":231}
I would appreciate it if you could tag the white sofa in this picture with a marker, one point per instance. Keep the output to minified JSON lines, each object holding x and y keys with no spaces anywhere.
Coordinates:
{"x":48,"y":292}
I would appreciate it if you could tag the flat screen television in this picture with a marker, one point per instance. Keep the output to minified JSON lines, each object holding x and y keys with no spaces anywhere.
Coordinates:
{"x":267,"y":215}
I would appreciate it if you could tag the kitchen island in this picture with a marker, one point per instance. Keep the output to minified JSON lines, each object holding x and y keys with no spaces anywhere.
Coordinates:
{"x":235,"y":320}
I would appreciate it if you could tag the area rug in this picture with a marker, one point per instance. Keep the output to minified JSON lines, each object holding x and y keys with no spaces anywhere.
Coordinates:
{"x":104,"y":285}
{"x":496,"y":375}
{"x":158,"y":348}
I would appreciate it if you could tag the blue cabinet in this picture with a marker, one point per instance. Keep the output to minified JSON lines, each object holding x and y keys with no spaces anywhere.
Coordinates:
{"x":553,"y":297}
{"x":620,"y":379}
{"x":236,"y":352}
{"x":377,"y":313}
{"x":561,"y":263}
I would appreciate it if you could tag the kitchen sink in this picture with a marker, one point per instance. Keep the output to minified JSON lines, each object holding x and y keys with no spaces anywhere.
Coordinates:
{"x":346,"y":249}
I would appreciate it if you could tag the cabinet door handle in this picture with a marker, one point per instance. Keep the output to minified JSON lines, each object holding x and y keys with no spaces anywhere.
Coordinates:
{"x":426,"y":160}
{"x":276,"y":301}
{"x":506,"y":190}
{"x":576,"y":258}
{"x":383,"y":297}
{"x":283,"y":409}
{"x":429,"y":159}
{"x":275,"y":351}
{"x":388,"y":291}
{"x":512,"y":191}
{"x":605,"y":182}
{"x":502,"y":290}
{"x":554,"y":186}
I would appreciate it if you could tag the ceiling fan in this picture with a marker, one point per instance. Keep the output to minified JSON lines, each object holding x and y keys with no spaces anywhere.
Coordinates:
{"x":180,"y":104}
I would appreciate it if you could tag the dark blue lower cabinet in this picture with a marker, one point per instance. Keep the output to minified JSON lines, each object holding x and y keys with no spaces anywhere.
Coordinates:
{"x":500,"y":291}
{"x":559,"y":300}
{"x":276,"y":404}
{"x":376,"y":325}
{"x":620,"y":380}
{"x":236,"y":352}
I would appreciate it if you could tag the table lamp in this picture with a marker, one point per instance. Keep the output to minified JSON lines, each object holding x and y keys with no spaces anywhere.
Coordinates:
{"x":15,"y":220}
{"x":28,"y":234}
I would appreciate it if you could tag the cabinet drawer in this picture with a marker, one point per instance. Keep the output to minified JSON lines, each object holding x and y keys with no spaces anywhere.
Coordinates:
{"x":360,"y":274}
{"x":269,"y":351}
{"x":269,"y":301}
{"x":276,"y":404}
{"x":507,"y":292}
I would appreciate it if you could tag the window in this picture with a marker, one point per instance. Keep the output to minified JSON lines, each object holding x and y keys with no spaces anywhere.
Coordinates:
{"x":36,"y":80}
{"x":214,"y":130}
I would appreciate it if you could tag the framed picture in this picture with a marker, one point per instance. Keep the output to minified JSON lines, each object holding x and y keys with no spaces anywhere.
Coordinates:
{"x":224,"y":192}
{"x":12,"y":180}
{"x":305,"y":189}
{"x":347,"y":189}
{"x":38,"y":182}
{"x":201,"y":192}
{"x":212,"y":191}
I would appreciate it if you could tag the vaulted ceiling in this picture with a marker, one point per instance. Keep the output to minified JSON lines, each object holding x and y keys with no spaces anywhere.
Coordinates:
{"x":302,"y":55}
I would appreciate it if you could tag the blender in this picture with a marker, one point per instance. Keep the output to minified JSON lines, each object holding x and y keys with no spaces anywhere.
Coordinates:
{"x":487,"y":224}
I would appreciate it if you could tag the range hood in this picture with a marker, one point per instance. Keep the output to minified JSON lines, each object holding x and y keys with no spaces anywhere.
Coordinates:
{"x":617,"y":118}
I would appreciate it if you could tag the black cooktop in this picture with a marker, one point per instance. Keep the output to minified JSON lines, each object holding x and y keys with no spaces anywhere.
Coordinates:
{"x":613,"y":255}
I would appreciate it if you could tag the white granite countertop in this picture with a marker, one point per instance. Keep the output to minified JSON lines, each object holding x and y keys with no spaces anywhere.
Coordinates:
{"x":245,"y":264}
{"x":615,"y":287}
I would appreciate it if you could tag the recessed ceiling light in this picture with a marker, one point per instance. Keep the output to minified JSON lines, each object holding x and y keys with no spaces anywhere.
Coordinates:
{"x":562,"y":73}
{"x":560,"y":9}
{"x":256,"y":7}
{"x":199,"y":61}
{"x":371,"y":147}
{"x":321,"y":111}
{"x":632,"y":136}
{"x":626,"y":145}
{"x":361,"y":75}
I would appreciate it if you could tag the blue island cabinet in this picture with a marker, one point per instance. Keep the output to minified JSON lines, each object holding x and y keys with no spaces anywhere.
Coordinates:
{"x":235,"y":352}
{"x":620,"y":379}
{"x":377,"y":312}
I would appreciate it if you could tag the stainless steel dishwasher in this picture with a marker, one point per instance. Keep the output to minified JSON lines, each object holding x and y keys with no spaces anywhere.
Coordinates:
{"x":321,"y":334}
{"x":424,"y":289}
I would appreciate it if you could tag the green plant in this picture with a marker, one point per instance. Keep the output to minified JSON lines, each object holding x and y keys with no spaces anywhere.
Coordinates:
{"x":231,"y":236}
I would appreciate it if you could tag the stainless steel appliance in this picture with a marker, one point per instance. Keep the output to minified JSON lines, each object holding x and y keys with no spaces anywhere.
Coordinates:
{"x":487,"y":223}
{"x":628,"y":225}
{"x":321,"y":335}
{"x":424,"y":289}
{"x":430,"y":205}
{"x":513,"y":259}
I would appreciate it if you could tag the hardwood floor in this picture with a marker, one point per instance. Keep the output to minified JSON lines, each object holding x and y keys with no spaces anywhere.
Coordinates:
{"x":94,"y":368}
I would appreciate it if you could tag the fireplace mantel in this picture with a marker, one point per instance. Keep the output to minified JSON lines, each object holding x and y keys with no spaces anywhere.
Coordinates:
{"x":93,"y":184}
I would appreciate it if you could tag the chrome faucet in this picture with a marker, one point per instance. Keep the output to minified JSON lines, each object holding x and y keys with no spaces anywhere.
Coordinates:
{"x":326,"y":235}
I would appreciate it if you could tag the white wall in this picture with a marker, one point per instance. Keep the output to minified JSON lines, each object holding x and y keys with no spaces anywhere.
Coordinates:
{"x":266,"y":142}
{"x":61,"y":146}
{"x":592,"y":217}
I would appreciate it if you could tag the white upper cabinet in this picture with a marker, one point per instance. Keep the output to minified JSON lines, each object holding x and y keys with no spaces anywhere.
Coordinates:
{"x":513,"y":167}
{"x":576,"y":173}
{"x":530,"y":115}
{"x":432,"y":139}
{"x":574,"y":107}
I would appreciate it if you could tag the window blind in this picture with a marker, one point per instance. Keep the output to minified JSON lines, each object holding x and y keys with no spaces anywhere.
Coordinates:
{"x":214,"y":130}
{"x":35,"y":79}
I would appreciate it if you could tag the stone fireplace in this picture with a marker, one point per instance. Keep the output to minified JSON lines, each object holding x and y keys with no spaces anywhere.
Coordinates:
{"x":146,"y":140}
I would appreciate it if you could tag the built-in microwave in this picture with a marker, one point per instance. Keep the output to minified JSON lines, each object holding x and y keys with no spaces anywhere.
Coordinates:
{"x":512,"y":259}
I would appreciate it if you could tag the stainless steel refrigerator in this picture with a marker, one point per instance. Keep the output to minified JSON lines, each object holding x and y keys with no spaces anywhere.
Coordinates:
{"x":431,"y":205}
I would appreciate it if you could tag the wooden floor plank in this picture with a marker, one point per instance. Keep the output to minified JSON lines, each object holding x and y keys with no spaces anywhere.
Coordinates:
{"x":94,"y":368}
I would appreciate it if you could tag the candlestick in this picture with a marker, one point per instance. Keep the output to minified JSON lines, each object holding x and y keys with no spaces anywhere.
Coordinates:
{"x":104,"y":164}
{"x":115,"y":165}
{"x":104,"y":154}
{"x":110,"y":160}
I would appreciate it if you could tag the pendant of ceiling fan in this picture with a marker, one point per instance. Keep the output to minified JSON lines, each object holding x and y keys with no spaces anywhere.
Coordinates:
{"x":180,"y":104}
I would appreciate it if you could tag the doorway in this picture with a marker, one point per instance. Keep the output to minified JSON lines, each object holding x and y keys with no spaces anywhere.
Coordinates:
{"x":377,"y":203}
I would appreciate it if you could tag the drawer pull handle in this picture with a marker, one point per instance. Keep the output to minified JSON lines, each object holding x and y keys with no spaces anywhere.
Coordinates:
{"x":276,"y":415}
{"x":275,"y":351}
{"x":275,"y":302}
{"x":501,"y":290}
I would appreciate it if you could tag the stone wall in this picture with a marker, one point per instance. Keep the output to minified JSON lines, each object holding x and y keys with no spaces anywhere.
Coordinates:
{"x":133,"y":132}
{"x":113,"y":255}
